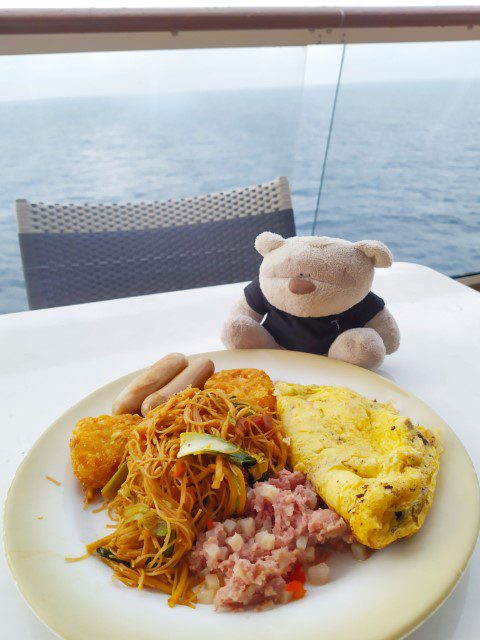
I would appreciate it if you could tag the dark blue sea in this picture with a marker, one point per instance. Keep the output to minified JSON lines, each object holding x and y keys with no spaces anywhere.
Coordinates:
{"x":403,"y":165}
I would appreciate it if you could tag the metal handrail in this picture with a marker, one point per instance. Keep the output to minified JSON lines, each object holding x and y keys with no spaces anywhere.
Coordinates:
{"x":75,"y":30}
{"x":43,"y":21}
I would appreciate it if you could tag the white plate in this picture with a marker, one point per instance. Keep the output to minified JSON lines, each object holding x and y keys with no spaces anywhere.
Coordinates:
{"x":385,"y":597}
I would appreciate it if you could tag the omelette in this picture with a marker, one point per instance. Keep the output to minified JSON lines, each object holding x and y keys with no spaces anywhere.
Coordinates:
{"x":368,"y":463}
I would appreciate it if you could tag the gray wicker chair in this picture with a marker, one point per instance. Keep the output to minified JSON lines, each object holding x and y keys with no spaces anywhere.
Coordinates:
{"x":77,"y":253}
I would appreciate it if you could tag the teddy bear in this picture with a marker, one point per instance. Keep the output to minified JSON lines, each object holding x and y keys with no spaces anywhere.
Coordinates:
{"x":313,"y":294}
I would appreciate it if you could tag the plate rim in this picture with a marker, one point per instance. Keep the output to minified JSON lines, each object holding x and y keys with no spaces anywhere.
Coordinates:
{"x":400,"y":634}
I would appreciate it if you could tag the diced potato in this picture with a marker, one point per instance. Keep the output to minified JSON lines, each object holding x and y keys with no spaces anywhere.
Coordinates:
{"x":318,"y":574}
{"x":310,"y":554}
{"x":230,"y":525}
{"x":235,"y":542}
{"x":359,"y":551}
{"x":247,"y":525}
{"x":267,"y":491}
{"x":205,"y":596}
{"x":265,"y":540}
{"x":212,"y":581}
{"x":302,"y":542}
{"x":215,"y":552}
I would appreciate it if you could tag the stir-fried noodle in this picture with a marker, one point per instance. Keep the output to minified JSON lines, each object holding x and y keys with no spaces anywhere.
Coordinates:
{"x":165,"y":502}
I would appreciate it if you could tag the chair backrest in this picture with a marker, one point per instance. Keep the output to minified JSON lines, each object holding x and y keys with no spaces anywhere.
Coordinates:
{"x":75,"y":253}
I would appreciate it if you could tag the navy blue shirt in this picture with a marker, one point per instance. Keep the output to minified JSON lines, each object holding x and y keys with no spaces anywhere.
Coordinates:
{"x":312,"y":335}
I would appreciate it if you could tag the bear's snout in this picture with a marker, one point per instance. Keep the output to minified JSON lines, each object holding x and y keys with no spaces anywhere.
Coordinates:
{"x":301,"y":286}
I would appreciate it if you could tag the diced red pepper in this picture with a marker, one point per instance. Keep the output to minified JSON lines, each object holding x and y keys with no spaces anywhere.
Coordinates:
{"x":297,"y":573}
{"x":264,"y":422}
{"x":179,"y":469}
{"x":267,"y":420}
{"x":296,"y":588}
{"x":210,"y":524}
{"x":258,"y":421}
{"x":192,"y":493}
{"x":240,"y":426}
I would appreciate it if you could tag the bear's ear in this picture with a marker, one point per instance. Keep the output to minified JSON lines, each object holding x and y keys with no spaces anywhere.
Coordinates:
{"x":379,"y":253}
{"x":268,"y":241}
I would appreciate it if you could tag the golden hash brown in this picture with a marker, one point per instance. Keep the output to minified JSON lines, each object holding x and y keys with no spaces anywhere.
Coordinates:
{"x":97,"y":446}
{"x":252,"y":385}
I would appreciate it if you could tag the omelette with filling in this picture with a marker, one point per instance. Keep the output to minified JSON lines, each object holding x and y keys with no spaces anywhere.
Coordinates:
{"x":367,"y":462}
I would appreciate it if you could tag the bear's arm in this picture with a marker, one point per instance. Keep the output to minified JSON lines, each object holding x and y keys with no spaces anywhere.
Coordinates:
{"x":384,"y":324}
{"x":242,"y":308}
{"x":242,"y":329}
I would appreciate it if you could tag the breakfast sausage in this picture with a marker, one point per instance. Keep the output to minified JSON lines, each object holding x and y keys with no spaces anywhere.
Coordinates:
{"x":196,"y":374}
{"x":150,"y":380}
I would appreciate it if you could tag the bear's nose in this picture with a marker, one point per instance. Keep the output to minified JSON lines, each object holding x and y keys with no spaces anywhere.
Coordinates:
{"x":301,"y":286}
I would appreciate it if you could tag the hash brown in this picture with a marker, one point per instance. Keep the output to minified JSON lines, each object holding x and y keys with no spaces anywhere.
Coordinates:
{"x":253,"y":385}
{"x":97,"y":446}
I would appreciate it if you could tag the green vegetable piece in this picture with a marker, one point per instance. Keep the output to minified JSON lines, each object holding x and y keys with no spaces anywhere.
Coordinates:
{"x":161,"y":529}
{"x":110,"y":490}
{"x":195,"y":443}
{"x":147,"y":518}
{"x":108,"y":555}
{"x":243,"y":459}
{"x":242,"y":405}
{"x":168,"y":553}
{"x":258,"y":472}
{"x":192,"y":443}
{"x":135,"y":511}
{"x":231,"y":418}
{"x":262,"y":478}
{"x":237,"y":499}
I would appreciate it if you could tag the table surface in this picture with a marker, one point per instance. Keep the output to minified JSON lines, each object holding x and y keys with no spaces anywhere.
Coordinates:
{"x":53,"y":357}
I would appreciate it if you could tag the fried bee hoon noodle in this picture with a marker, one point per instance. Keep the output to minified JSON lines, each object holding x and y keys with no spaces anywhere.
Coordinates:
{"x":165,"y":501}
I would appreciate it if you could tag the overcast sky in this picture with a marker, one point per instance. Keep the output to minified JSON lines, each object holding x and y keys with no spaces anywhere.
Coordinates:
{"x":113,"y":73}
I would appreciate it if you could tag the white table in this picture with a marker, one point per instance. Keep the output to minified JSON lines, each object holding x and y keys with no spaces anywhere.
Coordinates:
{"x":49,"y":359}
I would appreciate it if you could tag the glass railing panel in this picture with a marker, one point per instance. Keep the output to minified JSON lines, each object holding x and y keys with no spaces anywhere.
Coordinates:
{"x":403,"y":161}
{"x":322,"y":67}
{"x":153,"y":125}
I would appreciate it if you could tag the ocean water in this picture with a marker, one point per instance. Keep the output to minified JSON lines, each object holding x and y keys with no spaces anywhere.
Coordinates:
{"x":403,"y":165}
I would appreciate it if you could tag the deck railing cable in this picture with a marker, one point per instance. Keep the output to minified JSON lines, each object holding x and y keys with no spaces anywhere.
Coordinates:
{"x":329,"y":137}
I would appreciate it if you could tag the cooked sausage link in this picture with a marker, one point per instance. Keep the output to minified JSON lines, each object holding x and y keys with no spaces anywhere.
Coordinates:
{"x":196,"y":374}
{"x":150,"y":380}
